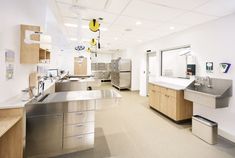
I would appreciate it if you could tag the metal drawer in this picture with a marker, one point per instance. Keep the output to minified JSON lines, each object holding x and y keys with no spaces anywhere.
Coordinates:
{"x":78,"y":129}
{"x":80,"y":106}
{"x":79,"y":143}
{"x":79,"y":117}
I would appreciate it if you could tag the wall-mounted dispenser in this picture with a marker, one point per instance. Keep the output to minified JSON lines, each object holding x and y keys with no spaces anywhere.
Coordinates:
{"x":191,"y":65}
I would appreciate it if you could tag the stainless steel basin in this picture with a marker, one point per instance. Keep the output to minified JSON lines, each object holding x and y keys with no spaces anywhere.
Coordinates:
{"x":216,"y":96}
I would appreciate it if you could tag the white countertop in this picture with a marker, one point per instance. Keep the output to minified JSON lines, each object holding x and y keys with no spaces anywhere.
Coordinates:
{"x":173,"y":83}
{"x":168,"y":85}
{"x":16,"y":101}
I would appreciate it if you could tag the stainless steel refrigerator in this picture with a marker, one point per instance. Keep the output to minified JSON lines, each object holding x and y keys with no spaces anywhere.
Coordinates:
{"x":121,"y":73}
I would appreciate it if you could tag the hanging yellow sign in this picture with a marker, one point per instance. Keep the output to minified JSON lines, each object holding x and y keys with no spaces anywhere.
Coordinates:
{"x":88,"y":50}
{"x":94,"y":25}
{"x":93,"y":42}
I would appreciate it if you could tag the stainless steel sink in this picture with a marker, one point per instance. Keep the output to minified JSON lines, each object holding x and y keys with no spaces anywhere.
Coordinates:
{"x":216,"y":95}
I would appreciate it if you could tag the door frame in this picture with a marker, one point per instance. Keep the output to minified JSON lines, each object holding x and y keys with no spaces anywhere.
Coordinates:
{"x":148,"y":54}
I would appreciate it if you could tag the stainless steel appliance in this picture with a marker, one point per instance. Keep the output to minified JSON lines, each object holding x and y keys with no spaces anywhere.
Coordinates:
{"x":121,"y":73}
{"x":63,"y":122}
{"x":101,"y":71}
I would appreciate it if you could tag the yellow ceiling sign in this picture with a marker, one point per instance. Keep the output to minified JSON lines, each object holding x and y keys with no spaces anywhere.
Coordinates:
{"x":93,"y":42}
{"x":94,"y":25}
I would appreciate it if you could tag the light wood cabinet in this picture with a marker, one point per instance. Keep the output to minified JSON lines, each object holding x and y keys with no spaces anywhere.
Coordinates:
{"x":12,"y":133}
{"x":32,"y":53}
{"x":80,"y":66}
{"x":170,"y":102}
{"x":29,"y":53}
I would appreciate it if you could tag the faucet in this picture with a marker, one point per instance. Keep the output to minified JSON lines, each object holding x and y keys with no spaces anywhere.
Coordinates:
{"x":41,"y":85}
{"x":209,"y":85}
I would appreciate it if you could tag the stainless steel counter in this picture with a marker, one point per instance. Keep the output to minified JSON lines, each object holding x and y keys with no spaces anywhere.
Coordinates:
{"x":64,"y":122}
{"x":80,"y":95}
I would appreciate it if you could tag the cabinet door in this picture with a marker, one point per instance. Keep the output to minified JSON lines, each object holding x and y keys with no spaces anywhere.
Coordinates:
{"x":171,"y":107}
{"x":157,"y":100}
{"x":152,"y":97}
{"x":29,"y":53}
{"x":163,"y":107}
{"x":80,"y":66}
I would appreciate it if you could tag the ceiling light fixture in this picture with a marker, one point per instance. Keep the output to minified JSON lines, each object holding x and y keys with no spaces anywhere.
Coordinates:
{"x":139,"y":41}
{"x":73,"y":39}
{"x":85,"y":27}
{"x":172,"y":28}
{"x":116,"y":38}
{"x":138,"y":23}
{"x":70,"y":25}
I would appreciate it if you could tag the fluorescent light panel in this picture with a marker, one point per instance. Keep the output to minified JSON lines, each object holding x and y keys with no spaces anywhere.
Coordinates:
{"x":70,"y":25}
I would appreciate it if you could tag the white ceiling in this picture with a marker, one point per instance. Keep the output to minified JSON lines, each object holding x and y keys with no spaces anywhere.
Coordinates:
{"x":157,"y":17}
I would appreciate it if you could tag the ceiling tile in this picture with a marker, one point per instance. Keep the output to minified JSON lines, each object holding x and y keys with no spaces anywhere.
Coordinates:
{"x":116,"y":6}
{"x":91,"y":14}
{"x":149,"y":11}
{"x":129,"y":22}
{"x":218,"y":7}
{"x":92,"y":4}
{"x":191,"y":18}
{"x":181,"y":4}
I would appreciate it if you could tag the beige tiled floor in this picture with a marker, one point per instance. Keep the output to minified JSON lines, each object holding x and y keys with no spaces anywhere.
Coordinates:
{"x":132,"y":130}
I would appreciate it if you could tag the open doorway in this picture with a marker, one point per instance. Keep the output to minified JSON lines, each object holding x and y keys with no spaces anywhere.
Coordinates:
{"x":151,"y":66}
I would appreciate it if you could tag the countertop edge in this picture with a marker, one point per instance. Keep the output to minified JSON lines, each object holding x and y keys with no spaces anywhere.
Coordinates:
{"x":168,"y":85}
{"x":13,"y":120}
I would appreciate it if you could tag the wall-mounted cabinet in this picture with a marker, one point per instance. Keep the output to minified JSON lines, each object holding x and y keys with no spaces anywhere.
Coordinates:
{"x":44,"y":56}
{"x":170,"y":102}
{"x":32,"y":53}
{"x":29,"y":53}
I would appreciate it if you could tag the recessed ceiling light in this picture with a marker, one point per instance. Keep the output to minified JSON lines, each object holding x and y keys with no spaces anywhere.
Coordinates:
{"x":172,"y":28}
{"x":138,"y":23}
{"x":73,"y":39}
{"x":70,"y":25}
{"x":85,"y":27}
{"x":139,"y":41}
{"x":116,"y":38}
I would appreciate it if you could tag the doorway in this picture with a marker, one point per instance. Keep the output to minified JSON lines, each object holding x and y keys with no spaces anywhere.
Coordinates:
{"x":151,"y":66}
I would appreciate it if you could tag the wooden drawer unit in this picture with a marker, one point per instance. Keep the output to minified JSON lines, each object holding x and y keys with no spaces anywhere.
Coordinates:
{"x":170,"y":102}
{"x":80,"y":106}
{"x":78,"y":129}
{"x":81,"y":142}
{"x":79,"y":117}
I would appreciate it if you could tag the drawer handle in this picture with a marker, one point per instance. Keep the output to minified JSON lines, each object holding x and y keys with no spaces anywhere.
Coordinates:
{"x":79,"y":125}
{"x":79,"y":113}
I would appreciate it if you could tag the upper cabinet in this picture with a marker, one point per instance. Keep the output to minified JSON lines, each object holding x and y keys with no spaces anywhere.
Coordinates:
{"x":33,"y":53}
{"x":29,"y":53}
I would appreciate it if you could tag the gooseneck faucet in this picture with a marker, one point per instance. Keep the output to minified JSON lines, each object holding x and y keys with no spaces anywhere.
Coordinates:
{"x":209,"y":83}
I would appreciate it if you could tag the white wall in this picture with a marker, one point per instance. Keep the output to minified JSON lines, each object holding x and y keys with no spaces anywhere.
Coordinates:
{"x":102,"y":58}
{"x":14,"y":13}
{"x":213,"y":41}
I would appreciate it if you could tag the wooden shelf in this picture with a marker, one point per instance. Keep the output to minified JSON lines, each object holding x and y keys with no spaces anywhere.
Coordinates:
{"x":32,"y":53}
{"x":44,"y":56}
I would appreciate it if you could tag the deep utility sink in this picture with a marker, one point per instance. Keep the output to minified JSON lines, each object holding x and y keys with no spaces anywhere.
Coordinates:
{"x":215,"y":96}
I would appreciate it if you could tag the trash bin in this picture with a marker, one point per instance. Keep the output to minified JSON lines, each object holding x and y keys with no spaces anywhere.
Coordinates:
{"x":205,"y":129}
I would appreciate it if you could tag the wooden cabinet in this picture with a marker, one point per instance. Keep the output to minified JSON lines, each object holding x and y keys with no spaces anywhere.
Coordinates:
{"x":80,"y":66}
{"x":12,"y":133}
{"x":29,"y":53}
{"x":32,"y":53}
{"x":44,"y":56}
{"x":170,"y":102}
